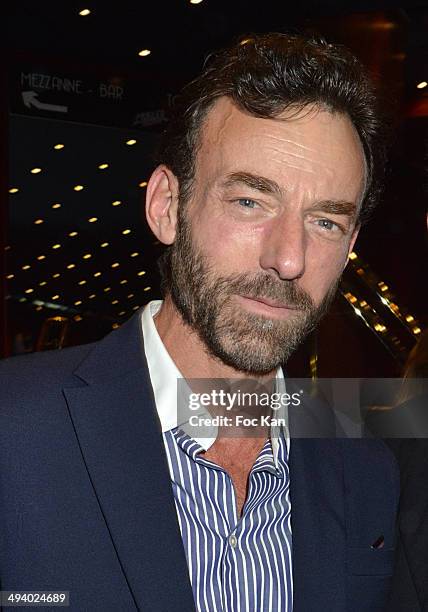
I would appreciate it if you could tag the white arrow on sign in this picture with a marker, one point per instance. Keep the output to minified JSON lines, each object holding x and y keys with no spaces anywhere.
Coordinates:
{"x":30,"y":99}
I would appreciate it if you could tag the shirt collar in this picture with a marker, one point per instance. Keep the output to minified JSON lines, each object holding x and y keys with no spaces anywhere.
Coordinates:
{"x":164,"y":375}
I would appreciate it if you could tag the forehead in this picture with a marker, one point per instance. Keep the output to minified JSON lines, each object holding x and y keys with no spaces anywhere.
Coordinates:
{"x":311,"y":149}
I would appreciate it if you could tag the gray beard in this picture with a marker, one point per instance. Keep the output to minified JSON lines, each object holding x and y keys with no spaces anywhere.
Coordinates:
{"x":247,"y":342}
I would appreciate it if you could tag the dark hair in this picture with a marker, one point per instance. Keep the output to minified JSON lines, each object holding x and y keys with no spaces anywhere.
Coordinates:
{"x":265,"y":75}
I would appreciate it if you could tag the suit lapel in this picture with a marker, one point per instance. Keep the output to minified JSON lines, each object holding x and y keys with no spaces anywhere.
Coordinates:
{"x":120,"y":437}
{"x":317,"y":511}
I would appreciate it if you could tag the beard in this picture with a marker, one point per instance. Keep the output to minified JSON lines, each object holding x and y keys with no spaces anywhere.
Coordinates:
{"x":248,"y":342}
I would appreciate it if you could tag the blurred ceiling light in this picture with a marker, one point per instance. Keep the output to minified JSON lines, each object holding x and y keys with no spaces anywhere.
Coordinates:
{"x":96,"y":274}
{"x":107,"y":289}
{"x":144,"y":52}
{"x":383,"y":25}
{"x":56,"y":246}
{"x":379,"y":327}
{"x":87,"y":256}
{"x":123,"y":281}
{"x":13,"y":190}
{"x":245,"y":41}
{"x":78,"y":302}
{"x":41,"y":257}
{"x":78,"y":187}
{"x":82,"y":282}
{"x":134,"y":254}
{"x":115,"y":265}
{"x":26,"y":267}
{"x":122,"y":312}
{"x":29,"y":290}
{"x":71,"y":266}
{"x":35,"y":170}
{"x":57,"y":205}
{"x":77,"y":318}
{"x":55,"y":297}
{"x":422,"y":85}
{"x":10,"y":276}
{"x":72,"y":234}
{"x":195,"y":1}
{"x":131,"y":141}
{"x":115,"y":302}
{"x":59,"y":146}
{"x":143,"y":184}
{"x":56,"y":275}
{"x":42,"y":284}
{"x":147,"y":288}
{"x":84,"y":12}
{"x":103,"y":166}
{"x":141,"y":273}
{"x":38,"y":221}
{"x":104,"y":244}
{"x":92,"y":296}
{"x":92,"y":219}
{"x":116,"y":203}
{"x":126,"y":231}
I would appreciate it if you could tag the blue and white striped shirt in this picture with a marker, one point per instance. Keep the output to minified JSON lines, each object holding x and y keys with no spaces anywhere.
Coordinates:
{"x":236,"y":564}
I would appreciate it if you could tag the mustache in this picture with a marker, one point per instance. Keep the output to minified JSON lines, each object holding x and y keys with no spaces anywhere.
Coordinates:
{"x":264,"y":286}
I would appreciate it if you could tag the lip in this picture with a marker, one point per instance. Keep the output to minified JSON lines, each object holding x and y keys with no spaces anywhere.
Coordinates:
{"x":271,"y":303}
{"x":267,"y":306}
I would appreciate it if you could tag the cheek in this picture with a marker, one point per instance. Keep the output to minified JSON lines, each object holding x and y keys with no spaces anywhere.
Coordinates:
{"x":323,"y":267}
{"x":227,"y":240}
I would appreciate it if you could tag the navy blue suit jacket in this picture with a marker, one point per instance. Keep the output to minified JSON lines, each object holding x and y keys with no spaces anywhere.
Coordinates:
{"x":86,"y":502}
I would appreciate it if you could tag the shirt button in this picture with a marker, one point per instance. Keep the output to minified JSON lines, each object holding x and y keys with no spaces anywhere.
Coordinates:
{"x":233,"y":540}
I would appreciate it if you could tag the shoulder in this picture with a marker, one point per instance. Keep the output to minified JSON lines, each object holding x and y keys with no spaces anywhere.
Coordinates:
{"x":37,"y":375}
{"x":45,"y":363}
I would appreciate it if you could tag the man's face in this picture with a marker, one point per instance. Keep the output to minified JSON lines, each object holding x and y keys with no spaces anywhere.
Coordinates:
{"x":263,"y":240}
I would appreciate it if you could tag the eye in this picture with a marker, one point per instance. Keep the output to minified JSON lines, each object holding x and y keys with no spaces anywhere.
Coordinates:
{"x":328,"y":225}
{"x":246,"y":203}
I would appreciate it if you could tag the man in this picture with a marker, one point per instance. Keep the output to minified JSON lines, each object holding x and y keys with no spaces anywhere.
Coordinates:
{"x":267,"y":171}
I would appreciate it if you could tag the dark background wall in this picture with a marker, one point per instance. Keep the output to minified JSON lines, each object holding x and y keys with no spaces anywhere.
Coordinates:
{"x":78,"y":80}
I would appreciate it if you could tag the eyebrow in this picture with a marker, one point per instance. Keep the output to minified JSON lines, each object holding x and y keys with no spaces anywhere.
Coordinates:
{"x":337,"y":207}
{"x":259,"y":183}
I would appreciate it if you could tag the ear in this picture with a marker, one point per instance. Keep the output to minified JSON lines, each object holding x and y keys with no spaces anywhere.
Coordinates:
{"x":162,"y":203}
{"x":352,"y":242}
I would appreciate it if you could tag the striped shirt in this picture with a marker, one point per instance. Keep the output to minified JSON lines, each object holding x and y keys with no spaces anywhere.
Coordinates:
{"x":236,"y":564}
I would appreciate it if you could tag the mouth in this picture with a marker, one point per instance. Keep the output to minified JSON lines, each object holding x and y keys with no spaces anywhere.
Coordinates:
{"x":267,"y":306}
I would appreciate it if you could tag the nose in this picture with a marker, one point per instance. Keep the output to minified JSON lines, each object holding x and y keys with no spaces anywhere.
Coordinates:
{"x":284,"y":247}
